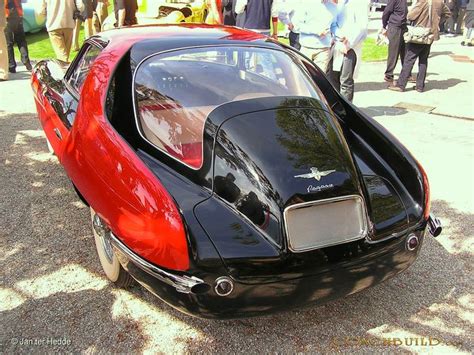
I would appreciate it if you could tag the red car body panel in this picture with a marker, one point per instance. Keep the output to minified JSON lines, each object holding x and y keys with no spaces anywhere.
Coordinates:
{"x":107,"y":172}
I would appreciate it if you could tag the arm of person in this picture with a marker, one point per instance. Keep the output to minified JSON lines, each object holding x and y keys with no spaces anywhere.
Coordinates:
{"x":415,"y":12}
{"x":387,"y":12}
{"x":240,"y":6}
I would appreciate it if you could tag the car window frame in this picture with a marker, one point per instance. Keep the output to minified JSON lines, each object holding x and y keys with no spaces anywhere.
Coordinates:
{"x":90,"y":42}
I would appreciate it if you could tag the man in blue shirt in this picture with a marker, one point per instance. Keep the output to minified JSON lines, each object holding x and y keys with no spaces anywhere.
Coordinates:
{"x":314,"y":20}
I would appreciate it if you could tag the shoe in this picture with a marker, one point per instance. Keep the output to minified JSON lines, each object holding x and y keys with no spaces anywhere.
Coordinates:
{"x":463,"y":43}
{"x":12,"y":70}
{"x":28,"y":66}
{"x":387,"y":79}
{"x":396,"y":88}
{"x":417,"y":89}
{"x":470,"y":44}
{"x":412,"y":79}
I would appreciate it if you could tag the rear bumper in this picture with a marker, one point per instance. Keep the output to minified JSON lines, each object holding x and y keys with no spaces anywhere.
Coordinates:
{"x":263,"y":298}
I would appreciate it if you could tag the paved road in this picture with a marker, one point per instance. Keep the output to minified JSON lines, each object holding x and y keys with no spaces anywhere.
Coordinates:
{"x":53,"y":290}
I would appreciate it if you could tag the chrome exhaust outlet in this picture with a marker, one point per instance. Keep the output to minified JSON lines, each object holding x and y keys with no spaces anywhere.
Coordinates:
{"x":434,"y":225}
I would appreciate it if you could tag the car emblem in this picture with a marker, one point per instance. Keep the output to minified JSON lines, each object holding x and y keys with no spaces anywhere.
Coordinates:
{"x":315,"y":173}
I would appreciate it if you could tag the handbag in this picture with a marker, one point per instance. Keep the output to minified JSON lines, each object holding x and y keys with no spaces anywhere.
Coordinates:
{"x":77,"y":15}
{"x":418,"y":34}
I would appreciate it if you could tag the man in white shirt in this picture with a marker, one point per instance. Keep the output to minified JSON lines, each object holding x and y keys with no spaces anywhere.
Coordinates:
{"x":313,"y":19}
{"x":288,"y":11}
{"x":349,"y":34}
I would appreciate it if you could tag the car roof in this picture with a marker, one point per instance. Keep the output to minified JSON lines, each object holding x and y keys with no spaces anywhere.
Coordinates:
{"x":150,"y":39}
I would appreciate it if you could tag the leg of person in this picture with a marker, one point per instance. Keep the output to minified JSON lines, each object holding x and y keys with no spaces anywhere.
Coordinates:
{"x":334,"y":76}
{"x":321,"y":58}
{"x":10,"y":43}
{"x":57,"y":41}
{"x":77,"y":30}
{"x":393,"y":35}
{"x":460,"y":21}
{"x":20,"y":39}
{"x":67,"y":37}
{"x":412,"y":53}
{"x":3,"y":55}
{"x":422,"y":66}
{"x":347,"y":75}
{"x":88,"y":27}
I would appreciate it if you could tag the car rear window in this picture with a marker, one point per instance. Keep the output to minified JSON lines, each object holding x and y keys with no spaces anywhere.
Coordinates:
{"x":176,"y":91}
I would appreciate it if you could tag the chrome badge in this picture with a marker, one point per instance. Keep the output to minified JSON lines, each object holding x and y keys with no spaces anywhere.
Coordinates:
{"x":315,"y":173}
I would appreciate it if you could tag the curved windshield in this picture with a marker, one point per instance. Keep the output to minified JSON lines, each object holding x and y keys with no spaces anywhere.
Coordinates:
{"x":176,"y":91}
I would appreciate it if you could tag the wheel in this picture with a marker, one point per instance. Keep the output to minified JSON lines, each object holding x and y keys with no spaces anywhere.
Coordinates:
{"x":109,"y":261}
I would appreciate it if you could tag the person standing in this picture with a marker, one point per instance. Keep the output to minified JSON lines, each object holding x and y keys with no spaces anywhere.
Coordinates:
{"x":86,"y":19}
{"x":425,"y":13}
{"x":453,"y":7}
{"x":394,"y":21}
{"x":125,"y":12}
{"x":289,"y":14}
{"x":3,"y":46}
{"x":228,"y":12}
{"x":349,"y":34}
{"x":100,"y":14}
{"x":15,"y":33}
{"x":258,"y":15}
{"x":317,"y":19}
{"x":60,"y":25}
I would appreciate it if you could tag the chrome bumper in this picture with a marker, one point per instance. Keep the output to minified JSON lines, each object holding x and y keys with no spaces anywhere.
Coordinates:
{"x":182,"y":283}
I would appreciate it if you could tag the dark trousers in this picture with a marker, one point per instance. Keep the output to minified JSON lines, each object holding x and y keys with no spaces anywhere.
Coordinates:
{"x":414,"y":51}
{"x":343,"y":80}
{"x":15,"y":33}
{"x":396,"y":48}
{"x":294,"y":40}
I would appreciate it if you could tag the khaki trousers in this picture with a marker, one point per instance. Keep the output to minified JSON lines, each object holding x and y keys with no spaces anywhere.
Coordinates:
{"x":100,"y":14}
{"x":61,"y":40}
{"x":88,"y":31}
{"x":320,"y":56}
{"x":3,"y":55}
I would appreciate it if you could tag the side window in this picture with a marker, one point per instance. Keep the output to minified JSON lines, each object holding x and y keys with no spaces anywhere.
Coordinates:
{"x":84,"y":64}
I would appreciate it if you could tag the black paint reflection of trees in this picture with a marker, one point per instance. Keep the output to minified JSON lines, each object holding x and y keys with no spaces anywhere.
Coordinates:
{"x":385,"y":203}
{"x":311,"y":139}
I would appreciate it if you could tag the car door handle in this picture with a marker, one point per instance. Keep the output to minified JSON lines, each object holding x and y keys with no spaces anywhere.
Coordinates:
{"x":58,"y":134}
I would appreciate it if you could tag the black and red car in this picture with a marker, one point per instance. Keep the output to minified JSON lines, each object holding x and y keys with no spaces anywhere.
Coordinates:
{"x":225,"y":174}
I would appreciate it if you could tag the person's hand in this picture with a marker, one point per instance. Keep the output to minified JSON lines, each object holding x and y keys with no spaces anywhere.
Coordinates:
{"x":323,"y":34}
{"x":384,"y":31}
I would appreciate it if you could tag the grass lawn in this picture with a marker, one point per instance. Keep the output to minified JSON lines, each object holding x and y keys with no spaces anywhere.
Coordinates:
{"x":39,"y":48}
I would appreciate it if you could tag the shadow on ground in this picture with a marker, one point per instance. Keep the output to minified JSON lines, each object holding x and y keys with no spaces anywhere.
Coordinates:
{"x":375,"y":111}
{"x":52,"y":285}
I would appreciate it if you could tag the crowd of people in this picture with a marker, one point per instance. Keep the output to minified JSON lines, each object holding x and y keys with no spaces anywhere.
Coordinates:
{"x":329,"y":32}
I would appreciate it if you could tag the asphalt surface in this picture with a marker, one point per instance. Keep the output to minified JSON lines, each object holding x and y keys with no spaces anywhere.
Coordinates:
{"x":54,"y":296}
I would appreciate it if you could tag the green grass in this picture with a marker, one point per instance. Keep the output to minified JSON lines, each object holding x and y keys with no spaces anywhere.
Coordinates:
{"x":373,"y":53}
{"x":39,"y":47}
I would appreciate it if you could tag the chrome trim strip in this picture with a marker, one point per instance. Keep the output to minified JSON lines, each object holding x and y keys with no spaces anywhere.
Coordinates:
{"x":181,"y":283}
{"x":321,"y":202}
